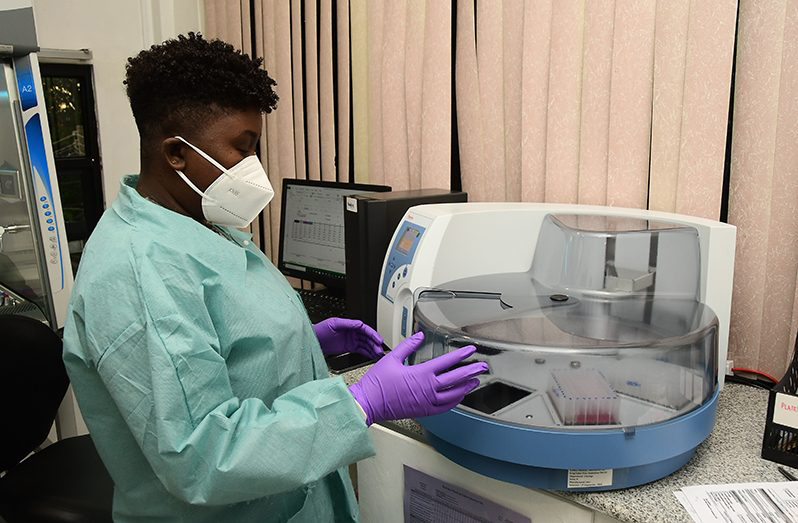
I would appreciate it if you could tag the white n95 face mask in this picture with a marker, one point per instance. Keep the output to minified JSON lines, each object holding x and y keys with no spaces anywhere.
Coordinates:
{"x":238,"y":195}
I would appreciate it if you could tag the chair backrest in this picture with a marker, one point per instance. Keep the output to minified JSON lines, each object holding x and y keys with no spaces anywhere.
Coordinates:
{"x":33,"y":382}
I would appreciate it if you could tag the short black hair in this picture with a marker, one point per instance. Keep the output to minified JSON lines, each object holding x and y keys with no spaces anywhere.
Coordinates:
{"x":184,"y":81}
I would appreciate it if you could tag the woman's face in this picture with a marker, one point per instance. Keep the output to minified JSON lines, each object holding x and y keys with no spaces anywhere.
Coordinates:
{"x":227,"y":139}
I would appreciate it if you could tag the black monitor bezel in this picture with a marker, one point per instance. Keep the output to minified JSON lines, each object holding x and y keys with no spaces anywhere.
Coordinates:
{"x":335,"y":283}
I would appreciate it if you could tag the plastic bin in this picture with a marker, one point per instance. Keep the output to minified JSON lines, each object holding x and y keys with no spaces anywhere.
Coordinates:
{"x":780,"y":443}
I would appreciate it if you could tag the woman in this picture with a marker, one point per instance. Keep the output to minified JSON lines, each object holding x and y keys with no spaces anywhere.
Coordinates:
{"x":197,"y":371}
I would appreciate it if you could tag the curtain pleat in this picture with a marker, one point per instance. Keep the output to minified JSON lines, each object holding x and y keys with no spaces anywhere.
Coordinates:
{"x":326,"y":94}
{"x":273,"y":42}
{"x":630,"y":103}
{"x":375,"y":19}
{"x":298,"y":98}
{"x":764,"y":186}
{"x":705,"y":111}
{"x":392,"y":95}
{"x":512,"y":56}
{"x":282,"y":70}
{"x":595,"y":109}
{"x":565,"y":92}
{"x":312,"y":91}
{"x":221,"y":19}
{"x":490,"y":80}
{"x":344,"y":90}
{"x":436,"y":99}
{"x":468,"y":107}
{"x":258,"y":226}
{"x":534,"y":99}
{"x":688,"y":135}
{"x":261,"y":228}
{"x":233,"y":22}
{"x":246,"y":27}
{"x":361,"y":82}
{"x":210,"y":18}
{"x":670,"y":56}
{"x":416,"y":14}
{"x":270,"y":153}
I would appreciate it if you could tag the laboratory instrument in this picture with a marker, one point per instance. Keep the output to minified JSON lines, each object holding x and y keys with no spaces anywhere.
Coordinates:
{"x":605,"y":331}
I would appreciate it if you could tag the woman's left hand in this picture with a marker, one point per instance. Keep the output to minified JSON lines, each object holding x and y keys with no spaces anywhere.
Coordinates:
{"x":338,"y":335}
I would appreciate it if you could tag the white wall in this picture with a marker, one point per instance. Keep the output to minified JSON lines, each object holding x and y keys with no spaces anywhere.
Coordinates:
{"x":114,"y":30}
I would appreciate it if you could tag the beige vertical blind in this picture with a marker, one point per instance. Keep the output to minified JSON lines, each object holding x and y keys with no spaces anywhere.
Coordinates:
{"x":396,"y":56}
{"x":764,"y":186}
{"x":582,"y":102}
{"x":613,"y":102}
{"x":344,"y":73}
{"x":404,"y":127}
{"x":308,"y":136}
{"x":692,"y":55}
{"x":231,"y":22}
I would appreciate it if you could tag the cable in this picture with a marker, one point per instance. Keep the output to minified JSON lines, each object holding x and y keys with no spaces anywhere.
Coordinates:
{"x":750,"y":382}
{"x":758,"y":373}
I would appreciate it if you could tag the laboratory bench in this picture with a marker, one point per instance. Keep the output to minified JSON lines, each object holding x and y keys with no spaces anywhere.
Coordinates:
{"x":731,"y":454}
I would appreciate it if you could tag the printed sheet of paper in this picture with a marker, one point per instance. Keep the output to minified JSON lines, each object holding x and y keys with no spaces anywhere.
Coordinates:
{"x":742,"y":502}
{"x":430,"y":500}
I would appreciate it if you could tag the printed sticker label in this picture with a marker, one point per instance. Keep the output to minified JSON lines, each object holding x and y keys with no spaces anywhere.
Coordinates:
{"x":589,"y":478}
{"x":785,"y":411}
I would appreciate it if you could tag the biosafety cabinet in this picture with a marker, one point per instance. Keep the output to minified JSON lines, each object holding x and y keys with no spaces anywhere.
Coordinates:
{"x":35,"y":270}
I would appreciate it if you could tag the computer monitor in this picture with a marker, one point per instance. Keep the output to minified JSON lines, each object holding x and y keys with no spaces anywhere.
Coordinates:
{"x":312,"y":229}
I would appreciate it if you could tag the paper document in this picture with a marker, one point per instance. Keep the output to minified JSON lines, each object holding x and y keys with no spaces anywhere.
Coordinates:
{"x":742,"y":502}
{"x":430,"y":500}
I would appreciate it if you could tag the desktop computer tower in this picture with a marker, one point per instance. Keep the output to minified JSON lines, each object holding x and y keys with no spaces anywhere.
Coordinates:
{"x":369,"y":223}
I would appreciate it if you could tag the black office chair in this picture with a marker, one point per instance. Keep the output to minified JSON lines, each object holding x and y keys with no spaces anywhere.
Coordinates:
{"x":66,"y":481}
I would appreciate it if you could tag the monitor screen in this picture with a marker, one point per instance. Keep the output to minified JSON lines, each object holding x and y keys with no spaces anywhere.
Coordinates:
{"x":312,"y":229}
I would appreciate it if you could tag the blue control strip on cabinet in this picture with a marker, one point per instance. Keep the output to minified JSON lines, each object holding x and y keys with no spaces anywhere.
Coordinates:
{"x":27,"y":91}
{"x":37,"y":152}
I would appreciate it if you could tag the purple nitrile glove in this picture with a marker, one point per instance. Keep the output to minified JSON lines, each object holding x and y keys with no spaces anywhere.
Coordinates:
{"x":337,"y":336}
{"x":391,"y":390}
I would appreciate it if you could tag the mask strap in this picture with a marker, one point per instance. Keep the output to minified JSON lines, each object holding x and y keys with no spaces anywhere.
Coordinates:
{"x":204,"y":155}
{"x":194,"y":187}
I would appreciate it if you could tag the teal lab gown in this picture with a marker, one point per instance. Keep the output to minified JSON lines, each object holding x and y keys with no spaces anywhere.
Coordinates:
{"x":200,"y":378}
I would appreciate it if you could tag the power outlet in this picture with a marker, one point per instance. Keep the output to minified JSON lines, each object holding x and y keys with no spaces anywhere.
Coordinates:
{"x":729,"y":367}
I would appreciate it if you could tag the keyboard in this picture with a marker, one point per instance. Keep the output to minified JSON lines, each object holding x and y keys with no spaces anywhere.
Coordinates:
{"x":321,"y":305}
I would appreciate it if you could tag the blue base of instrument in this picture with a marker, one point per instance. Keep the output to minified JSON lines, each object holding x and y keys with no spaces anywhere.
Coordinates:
{"x":541,"y":458}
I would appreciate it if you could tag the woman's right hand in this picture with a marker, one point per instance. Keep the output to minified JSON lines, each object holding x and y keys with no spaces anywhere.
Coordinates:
{"x":391,"y":390}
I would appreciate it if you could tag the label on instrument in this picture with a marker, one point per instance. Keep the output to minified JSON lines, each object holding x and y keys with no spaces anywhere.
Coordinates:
{"x":589,"y":478}
{"x":351,"y":204}
{"x":785,"y":411}
{"x":430,"y":500}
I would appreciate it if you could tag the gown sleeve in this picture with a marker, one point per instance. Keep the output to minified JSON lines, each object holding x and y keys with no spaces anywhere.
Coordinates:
{"x":207,"y":446}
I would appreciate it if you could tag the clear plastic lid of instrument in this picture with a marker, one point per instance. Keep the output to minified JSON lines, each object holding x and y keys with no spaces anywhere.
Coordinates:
{"x":604,"y":331}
